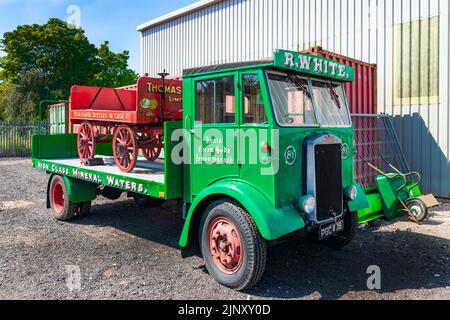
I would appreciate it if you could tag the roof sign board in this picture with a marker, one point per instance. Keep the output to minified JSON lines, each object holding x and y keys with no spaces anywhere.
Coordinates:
{"x":314,"y":65}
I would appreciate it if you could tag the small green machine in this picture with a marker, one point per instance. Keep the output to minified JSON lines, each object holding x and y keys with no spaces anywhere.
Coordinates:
{"x":397,"y":194}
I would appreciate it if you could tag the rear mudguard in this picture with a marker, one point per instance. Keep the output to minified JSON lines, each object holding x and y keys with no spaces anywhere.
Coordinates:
{"x":79,"y":191}
{"x":272,"y":223}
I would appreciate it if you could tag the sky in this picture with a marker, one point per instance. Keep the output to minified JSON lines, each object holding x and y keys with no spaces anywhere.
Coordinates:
{"x":115,"y":21}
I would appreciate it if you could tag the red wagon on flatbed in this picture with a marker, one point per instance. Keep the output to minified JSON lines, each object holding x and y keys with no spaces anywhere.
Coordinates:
{"x":131,"y":118}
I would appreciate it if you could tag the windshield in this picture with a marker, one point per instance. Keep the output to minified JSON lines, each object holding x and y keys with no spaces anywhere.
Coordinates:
{"x":292,"y":100}
{"x":295,"y":104}
{"x":331,"y":106}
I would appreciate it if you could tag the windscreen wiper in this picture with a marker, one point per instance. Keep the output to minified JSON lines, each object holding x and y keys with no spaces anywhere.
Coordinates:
{"x":335,"y":95}
{"x":297,"y":82}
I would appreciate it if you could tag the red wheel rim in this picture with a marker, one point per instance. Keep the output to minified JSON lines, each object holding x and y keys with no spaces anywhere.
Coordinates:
{"x":125,"y":149}
{"x":86,"y":142}
{"x":152,"y":153}
{"x":153,"y":148}
{"x":225,"y":245}
{"x":58,"y":198}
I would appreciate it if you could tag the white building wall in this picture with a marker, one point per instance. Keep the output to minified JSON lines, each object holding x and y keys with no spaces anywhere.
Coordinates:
{"x":240,"y":30}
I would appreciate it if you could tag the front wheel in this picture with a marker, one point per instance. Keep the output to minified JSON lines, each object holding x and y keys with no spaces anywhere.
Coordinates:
{"x":234,"y":251}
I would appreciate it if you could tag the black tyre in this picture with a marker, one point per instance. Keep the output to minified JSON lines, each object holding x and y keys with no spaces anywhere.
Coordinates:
{"x":234,"y":251}
{"x":344,"y":238}
{"x":147,"y":202}
{"x":62,"y":208}
{"x":418,"y":208}
{"x":84,"y":210}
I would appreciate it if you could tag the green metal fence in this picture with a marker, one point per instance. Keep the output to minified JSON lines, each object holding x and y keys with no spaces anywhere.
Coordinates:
{"x":16,"y":137}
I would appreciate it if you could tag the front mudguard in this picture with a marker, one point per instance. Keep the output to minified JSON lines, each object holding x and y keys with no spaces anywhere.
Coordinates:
{"x":272,"y":223}
{"x":361,"y":202}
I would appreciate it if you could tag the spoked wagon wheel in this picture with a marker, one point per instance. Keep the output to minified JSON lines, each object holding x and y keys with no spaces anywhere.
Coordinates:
{"x":86,"y":142}
{"x":125,"y":148}
{"x":153,"y":150}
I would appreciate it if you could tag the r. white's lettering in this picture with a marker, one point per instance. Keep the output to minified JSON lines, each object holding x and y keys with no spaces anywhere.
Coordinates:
{"x":313,"y":64}
{"x":289,"y":62}
{"x":305,"y":63}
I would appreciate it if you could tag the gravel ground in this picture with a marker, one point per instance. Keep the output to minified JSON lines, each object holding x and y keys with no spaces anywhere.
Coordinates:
{"x":128,"y":253}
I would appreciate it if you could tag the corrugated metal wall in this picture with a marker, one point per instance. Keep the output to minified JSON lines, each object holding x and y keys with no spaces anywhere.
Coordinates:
{"x":361,"y":93}
{"x":407,"y":39}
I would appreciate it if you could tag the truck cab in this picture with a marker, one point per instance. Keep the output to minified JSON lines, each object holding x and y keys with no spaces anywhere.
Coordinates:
{"x":270,"y":143}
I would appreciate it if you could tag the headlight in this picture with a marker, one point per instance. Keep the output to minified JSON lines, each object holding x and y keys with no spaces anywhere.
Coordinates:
{"x":307,"y":204}
{"x":351,"y":193}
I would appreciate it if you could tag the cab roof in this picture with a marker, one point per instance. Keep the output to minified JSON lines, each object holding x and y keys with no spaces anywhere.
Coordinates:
{"x":228,"y":66}
{"x":293,"y":61}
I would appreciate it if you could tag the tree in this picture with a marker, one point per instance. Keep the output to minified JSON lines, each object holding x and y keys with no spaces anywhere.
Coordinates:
{"x":16,"y":104}
{"x":56,"y":52}
{"x":112,"y":69}
{"x":45,"y":61}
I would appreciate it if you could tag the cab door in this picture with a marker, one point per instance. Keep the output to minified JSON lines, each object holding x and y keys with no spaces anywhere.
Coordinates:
{"x":214,"y":143}
{"x":257,"y":144}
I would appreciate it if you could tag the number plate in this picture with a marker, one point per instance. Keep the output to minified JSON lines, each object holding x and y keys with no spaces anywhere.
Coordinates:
{"x":331,"y":229}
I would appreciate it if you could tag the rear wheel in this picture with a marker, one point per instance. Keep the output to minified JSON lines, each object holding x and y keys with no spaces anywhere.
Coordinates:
{"x":125,"y":147}
{"x":84,"y":210}
{"x":344,"y":238}
{"x":153,"y":150}
{"x":234,"y":251}
{"x":147,"y":202}
{"x":418,"y":208}
{"x":62,"y":208}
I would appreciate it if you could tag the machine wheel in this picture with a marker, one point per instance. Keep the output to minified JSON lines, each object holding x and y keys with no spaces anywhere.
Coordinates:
{"x":234,"y":250}
{"x":418,"y":208}
{"x":152,"y":153}
{"x":63,"y":209}
{"x":86,"y":142}
{"x":147,"y":202}
{"x":343,"y":238}
{"x":125,"y":149}
{"x":84,"y":210}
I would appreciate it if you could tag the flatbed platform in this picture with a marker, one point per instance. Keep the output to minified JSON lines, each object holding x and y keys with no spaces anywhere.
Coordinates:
{"x":145,"y":170}
{"x":149,"y":178}
{"x":58,"y":154}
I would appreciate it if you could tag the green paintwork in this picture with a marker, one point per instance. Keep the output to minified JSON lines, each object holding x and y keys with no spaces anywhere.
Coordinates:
{"x":361,"y":201}
{"x":313,"y":65}
{"x":388,"y":188}
{"x":383,"y":200}
{"x":375,"y":209}
{"x":80,"y":191}
{"x":272,"y":223}
{"x":267,"y":195}
{"x":54,"y":146}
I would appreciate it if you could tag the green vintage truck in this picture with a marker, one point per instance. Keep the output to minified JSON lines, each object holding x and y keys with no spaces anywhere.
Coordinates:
{"x":265,"y":151}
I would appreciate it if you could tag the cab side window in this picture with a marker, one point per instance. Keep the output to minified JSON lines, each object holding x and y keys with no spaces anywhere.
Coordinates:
{"x":253,"y":104}
{"x":215,"y":101}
